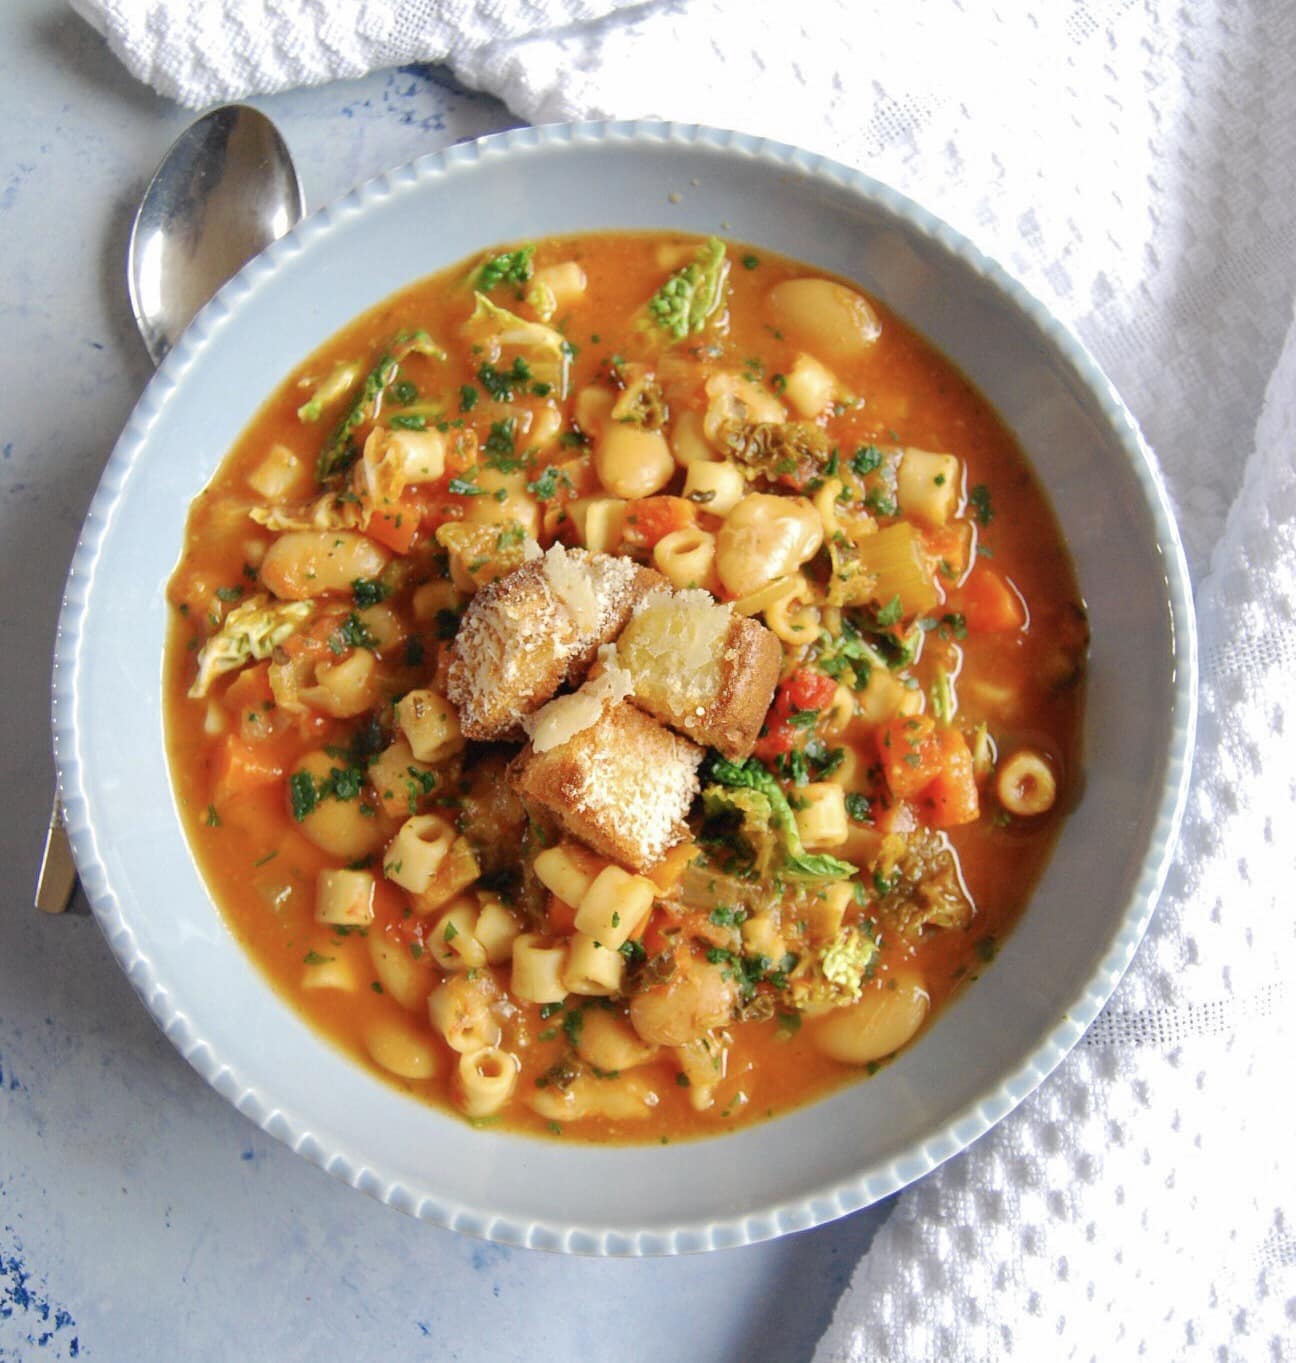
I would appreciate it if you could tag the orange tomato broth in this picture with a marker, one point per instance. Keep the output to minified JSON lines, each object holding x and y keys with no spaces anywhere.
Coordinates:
{"x":260,"y":868}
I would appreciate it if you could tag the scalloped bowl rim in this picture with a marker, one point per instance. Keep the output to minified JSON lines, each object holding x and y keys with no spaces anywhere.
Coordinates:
{"x":745,"y":1225}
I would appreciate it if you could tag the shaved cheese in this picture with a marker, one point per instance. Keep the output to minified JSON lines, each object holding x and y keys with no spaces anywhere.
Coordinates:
{"x":565,"y":716}
{"x":570,"y":580}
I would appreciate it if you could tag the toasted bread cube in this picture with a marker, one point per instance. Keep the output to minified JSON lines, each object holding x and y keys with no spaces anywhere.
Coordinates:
{"x":701,"y":668}
{"x":536,"y":629}
{"x":622,"y":786}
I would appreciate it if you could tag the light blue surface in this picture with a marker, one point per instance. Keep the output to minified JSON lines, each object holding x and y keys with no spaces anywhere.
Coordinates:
{"x":140,"y":1216}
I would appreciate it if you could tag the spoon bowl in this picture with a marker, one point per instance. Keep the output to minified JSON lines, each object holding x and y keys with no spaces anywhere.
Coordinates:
{"x":226,"y":189}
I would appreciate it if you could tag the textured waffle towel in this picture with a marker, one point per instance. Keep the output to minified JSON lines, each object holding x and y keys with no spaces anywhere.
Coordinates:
{"x":1134,"y":164}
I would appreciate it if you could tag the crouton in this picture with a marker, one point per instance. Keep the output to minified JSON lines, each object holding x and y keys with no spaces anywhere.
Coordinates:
{"x":701,"y":668}
{"x":621,"y":786}
{"x":534,"y":630}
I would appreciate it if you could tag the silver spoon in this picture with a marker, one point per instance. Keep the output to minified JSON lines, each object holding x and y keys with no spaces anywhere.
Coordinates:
{"x":224,"y":192}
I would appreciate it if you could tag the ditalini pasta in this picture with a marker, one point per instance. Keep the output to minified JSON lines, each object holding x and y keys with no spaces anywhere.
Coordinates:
{"x":623,"y":685}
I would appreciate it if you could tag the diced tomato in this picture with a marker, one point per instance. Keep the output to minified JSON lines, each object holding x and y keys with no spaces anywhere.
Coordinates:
{"x":804,"y":690}
{"x":910,"y":753}
{"x":242,"y":767}
{"x":397,"y":529}
{"x":653,"y":518}
{"x":951,"y":798}
{"x":988,"y":601}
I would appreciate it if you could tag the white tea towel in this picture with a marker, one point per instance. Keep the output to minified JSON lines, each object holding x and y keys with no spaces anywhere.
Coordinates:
{"x":201,"y":52}
{"x":1133,"y":162}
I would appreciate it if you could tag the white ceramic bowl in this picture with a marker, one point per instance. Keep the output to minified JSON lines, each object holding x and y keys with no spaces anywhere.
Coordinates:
{"x":984,"y":1054}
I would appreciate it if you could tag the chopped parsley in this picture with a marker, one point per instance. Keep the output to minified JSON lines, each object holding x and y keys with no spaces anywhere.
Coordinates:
{"x":213,"y":819}
{"x":369,"y":591}
{"x":890,"y":614}
{"x":502,"y":384}
{"x":979,"y":499}
{"x":545,"y":488}
{"x":500,"y":445}
{"x":303,"y":794}
{"x":512,"y":267}
{"x":867,"y":459}
{"x":858,"y":807}
{"x":461,"y":487}
{"x":408,"y":423}
{"x":468,"y":396}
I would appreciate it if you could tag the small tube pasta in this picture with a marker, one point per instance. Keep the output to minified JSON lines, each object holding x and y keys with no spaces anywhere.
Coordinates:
{"x":274,"y":477}
{"x":344,"y":897}
{"x":794,"y":621}
{"x":604,"y":521}
{"x":452,"y":939}
{"x":399,"y":1049}
{"x":496,"y":930}
{"x":614,"y":906}
{"x":1025,"y":784}
{"x":761,"y":937}
{"x":821,"y":815}
{"x":687,"y":558}
{"x":485,"y":1080}
{"x":457,"y":871}
{"x":420,"y":846}
{"x":460,"y":1011}
{"x":840,"y":711}
{"x":568,"y":870}
{"x":538,"y":964}
{"x":929,"y":486}
{"x":323,"y":971}
{"x":430,"y":725}
{"x":591,"y":967}
{"x":716,"y":487}
{"x":824,"y":913}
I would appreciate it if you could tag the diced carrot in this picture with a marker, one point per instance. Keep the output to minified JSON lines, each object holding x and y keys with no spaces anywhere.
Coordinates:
{"x":665,"y":875}
{"x":951,"y":798}
{"x":948,"y":546}
{"x":653,"y":518}
{"x":988,"y":601}
{"x":396,"y":529}
{"x":561,"y":916}
{"x":910,"y":753}
{"x":242,"y":767}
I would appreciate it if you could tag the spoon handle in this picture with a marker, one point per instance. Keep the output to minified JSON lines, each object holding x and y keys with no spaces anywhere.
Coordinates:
{"x":58,"y":877}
